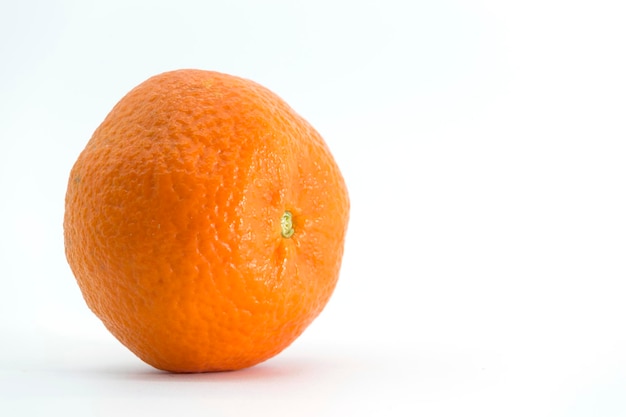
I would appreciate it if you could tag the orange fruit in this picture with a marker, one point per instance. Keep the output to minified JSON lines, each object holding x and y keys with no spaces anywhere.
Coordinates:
{"x":205,"y":222}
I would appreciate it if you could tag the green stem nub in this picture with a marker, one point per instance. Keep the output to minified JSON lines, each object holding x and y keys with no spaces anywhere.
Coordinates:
{"x":286,"y":225}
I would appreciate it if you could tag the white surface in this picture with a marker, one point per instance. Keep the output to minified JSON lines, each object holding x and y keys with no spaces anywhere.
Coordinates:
{"x":483,"y":146}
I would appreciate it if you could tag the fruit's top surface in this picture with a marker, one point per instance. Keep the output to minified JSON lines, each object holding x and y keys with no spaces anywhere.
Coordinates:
{"x":205,"y":222}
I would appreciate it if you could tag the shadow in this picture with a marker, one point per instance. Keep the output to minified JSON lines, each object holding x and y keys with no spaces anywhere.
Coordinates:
{"x":281,"y":367}
{"x":264,"y":371}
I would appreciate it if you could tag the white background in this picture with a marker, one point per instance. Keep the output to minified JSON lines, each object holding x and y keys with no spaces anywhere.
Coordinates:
{"x":483,"y":143}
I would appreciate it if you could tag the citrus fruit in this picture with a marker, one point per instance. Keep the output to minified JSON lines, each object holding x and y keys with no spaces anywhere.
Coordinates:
{"x":205,"y":222}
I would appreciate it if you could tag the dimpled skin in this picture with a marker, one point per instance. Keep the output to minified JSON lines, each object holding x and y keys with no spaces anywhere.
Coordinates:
{"x":173,"y":222}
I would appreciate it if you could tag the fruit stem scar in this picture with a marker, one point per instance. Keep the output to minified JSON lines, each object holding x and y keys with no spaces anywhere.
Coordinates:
{"x":286,"y":224}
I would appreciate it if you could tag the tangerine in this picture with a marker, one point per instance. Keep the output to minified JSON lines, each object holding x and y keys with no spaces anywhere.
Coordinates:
{"x":205,"y":222}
